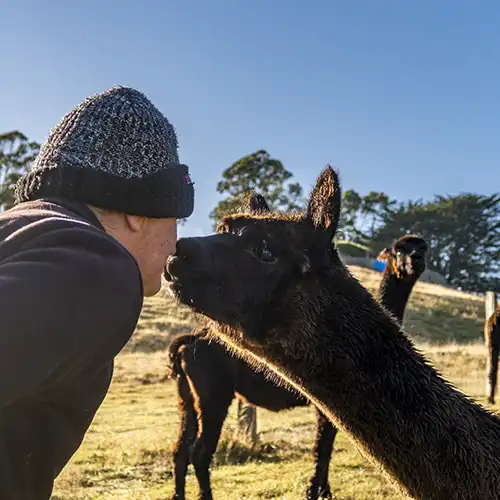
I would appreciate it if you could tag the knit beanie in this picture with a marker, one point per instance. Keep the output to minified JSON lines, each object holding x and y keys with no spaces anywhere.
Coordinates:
{"x":116,"y":151}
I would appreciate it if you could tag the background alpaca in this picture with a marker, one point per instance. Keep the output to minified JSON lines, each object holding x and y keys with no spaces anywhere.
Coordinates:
{"x":492,"y":340}
{"x":405,"y":264}
{"x":300,"y":313}
{"x":209,"y":377}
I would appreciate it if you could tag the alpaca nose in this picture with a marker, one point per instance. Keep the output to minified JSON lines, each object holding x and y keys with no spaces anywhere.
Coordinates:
{"x":189,"y":248}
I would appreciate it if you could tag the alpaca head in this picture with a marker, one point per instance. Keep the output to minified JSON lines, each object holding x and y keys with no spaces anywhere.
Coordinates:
{"x":406,"y":259}
{"x":256,"y":271}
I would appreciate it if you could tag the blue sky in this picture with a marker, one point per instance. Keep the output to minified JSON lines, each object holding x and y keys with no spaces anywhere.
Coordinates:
{"x":402,"y":97}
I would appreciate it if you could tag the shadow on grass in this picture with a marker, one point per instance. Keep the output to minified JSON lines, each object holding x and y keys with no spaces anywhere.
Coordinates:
{"x":151,"y":466}
{"x":232,"y":451}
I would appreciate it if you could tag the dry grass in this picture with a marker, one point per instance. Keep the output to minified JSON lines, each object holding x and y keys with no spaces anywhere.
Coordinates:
{"x":436,"y":314}
{"x":126,"y":453}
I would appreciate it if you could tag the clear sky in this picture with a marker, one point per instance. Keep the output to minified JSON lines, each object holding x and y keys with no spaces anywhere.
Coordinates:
{"x":402,"y":97}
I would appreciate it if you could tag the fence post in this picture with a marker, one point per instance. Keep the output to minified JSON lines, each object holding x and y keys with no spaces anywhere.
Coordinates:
{"x":247,"y":422}
{"x":490,"y":304}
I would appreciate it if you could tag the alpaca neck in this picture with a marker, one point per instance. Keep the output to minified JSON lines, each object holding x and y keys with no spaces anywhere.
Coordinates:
{"x":394,"y":293}
{"x":364,"y":374}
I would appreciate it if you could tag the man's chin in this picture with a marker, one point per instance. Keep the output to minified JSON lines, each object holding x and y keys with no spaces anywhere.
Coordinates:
{"x":151,"y":288}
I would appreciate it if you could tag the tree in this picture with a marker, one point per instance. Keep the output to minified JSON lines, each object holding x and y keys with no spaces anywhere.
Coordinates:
{"x":362,"y":215}
{"x":16,"y":155}
{"x":267,"y":176}
{"x":257,"y":172}
{"x":462,"y":232}
{"x":374,"y":207}
{"x":350,"y":209}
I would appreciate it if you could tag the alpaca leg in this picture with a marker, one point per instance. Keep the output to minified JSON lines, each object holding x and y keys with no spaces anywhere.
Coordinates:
{"x":187,"y":434}
{"x":211,"y":378}
{"x":323,"y":447}
{"x":491,"y":370}
{"x":213,"y":414}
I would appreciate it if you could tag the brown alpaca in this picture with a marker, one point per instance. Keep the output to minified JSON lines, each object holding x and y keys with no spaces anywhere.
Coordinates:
{"x":206,"y":373}
{"x":295,"y":308}
{"x":405,"y":264}
{"x":492,"y":340}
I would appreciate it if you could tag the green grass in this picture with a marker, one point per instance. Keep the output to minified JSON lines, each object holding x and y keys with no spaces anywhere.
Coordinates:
{"x":126,"y":453}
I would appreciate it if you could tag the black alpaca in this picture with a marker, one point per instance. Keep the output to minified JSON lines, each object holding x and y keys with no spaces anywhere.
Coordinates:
{"x":492,"y":340}
{"x":209,"y":378}
{"x":405,"y":264}
{"x":300,"y":313}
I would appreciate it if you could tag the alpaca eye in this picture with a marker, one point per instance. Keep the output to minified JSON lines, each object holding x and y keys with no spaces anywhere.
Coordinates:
{"x":264,"y":254}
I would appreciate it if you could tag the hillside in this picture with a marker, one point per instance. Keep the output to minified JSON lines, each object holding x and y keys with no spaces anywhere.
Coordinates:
{"x":126,"y":453}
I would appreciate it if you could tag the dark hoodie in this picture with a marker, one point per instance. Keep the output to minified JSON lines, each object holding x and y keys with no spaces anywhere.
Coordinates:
{"x":70,"y":298}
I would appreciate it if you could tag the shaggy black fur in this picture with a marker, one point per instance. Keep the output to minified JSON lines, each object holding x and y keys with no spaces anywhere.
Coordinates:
{"x":208,"y":379}
{"x":295,"y":309}
{"x":492,"y":339}
{"x":209,"y":376}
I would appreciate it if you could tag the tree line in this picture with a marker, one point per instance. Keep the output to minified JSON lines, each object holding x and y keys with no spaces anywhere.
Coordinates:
{"x":462,"y":231}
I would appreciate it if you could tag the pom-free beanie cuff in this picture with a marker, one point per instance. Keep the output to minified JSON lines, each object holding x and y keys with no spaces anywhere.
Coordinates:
{"x":164,"y":194}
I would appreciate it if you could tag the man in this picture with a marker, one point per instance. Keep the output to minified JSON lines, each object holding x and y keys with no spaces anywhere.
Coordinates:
{"x":94,"y":223}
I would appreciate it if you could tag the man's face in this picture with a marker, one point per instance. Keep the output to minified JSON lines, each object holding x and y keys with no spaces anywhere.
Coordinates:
{"x":158,"y":239}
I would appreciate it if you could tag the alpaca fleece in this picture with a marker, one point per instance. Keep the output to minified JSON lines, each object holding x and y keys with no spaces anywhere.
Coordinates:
{"x":299,"y":312}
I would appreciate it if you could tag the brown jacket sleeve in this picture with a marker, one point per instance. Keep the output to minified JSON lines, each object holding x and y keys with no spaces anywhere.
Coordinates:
{"x":68,"y":296}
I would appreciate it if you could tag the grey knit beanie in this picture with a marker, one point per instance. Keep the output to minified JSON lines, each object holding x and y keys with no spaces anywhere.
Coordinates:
{"x":115,"y":150}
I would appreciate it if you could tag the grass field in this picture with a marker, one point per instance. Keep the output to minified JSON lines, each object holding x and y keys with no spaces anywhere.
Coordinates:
{"x":126,"y":453}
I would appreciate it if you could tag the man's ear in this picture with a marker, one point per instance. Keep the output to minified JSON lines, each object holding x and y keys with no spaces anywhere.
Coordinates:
{"x":256,"y":203}
{"x":323,"y":209}
{"x":135,"y":222}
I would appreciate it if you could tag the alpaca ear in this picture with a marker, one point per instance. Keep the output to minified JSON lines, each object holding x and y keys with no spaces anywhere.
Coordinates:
{"x":323,"y":209}
{"x":256,"y":203}
{"x":384,"y":255}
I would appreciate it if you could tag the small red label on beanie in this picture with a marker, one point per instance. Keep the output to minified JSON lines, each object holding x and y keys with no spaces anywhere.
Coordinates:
{"x":188,"y":179}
